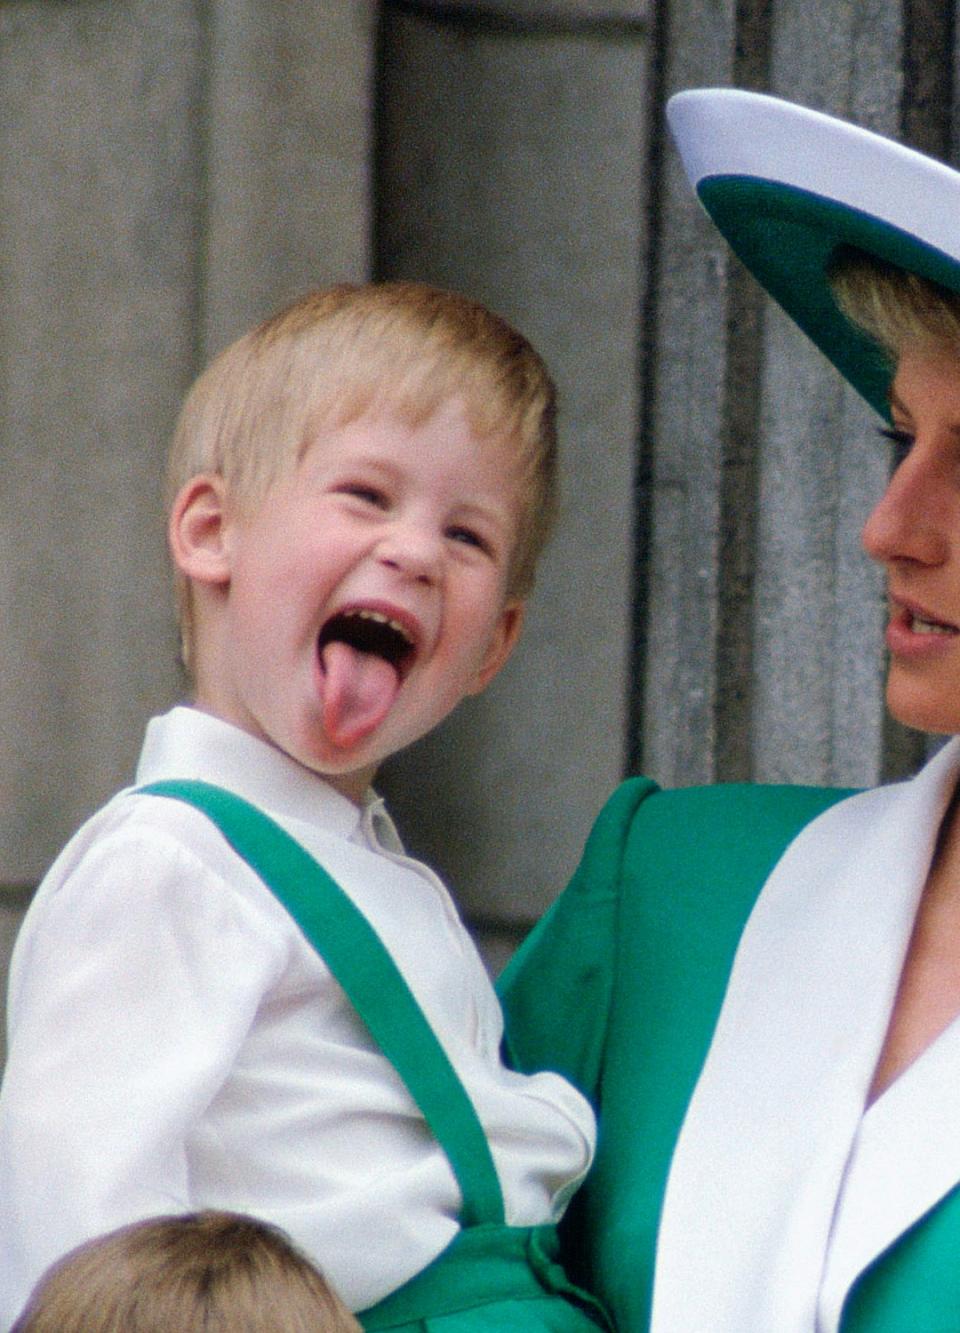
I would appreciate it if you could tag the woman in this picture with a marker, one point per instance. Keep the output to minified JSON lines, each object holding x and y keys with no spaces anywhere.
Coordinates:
{"x":766,"y":1012}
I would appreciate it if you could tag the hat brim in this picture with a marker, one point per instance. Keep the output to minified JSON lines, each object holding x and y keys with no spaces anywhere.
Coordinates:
{"x":786,"y":186}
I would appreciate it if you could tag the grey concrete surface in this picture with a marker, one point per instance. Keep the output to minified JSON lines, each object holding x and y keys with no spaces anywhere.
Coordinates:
{"x":535,"y":11}
{"x":97,"y":234}
{"x":683,"y":437}
{"x":289,"y":144}
{"x":13,"y":904}
{"x":818,"y":654}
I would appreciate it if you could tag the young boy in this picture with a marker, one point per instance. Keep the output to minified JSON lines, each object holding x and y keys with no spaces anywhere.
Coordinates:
{"x":359,"y":490}
{"x":212,"y":1271}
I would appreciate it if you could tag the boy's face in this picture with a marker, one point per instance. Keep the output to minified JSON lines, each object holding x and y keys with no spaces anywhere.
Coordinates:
{"x":365,"y":596}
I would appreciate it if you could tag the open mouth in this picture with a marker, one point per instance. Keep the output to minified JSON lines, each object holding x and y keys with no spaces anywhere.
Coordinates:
{"x":922,"y":625}
{"x":365,"y":656}
{"x":371,"y":632}
{"x":919,"y":626}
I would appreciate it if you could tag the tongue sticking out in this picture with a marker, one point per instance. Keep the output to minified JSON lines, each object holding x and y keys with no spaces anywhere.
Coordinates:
{"x":359,"y":690}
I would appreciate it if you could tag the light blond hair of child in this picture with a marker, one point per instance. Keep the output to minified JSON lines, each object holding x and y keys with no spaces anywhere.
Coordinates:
{"x":215,"y":1271}
{"x":893,"y":307}
{"x":337,"y":353}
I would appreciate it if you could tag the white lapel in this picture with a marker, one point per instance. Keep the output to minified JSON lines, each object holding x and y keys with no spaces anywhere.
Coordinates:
{"x":765,"y":1142}
{"x":905,"y":1158}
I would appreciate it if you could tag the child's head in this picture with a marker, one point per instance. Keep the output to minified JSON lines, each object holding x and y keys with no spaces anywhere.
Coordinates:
{"x":360,"y":490}
{"x":222,"y":1272}
{"x":337,"y":354}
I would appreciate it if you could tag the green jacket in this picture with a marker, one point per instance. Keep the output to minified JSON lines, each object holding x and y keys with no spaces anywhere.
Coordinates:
{"x":619,"y":988}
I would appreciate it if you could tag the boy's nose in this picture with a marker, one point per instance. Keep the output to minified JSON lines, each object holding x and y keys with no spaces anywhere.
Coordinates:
{"x":412,"y":551}
{"x":907,"y":523}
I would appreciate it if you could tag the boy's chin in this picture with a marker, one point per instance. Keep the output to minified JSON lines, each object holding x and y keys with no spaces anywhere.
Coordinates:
{"x":351,"y":779}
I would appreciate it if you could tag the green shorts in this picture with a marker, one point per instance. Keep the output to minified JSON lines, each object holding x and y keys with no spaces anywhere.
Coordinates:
{"x":491,"y":1279}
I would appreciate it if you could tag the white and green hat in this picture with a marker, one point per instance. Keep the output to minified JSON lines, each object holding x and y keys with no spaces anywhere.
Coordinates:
{"x":786,"y":186}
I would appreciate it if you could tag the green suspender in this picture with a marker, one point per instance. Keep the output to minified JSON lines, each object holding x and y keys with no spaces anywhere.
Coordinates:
{"x":356,"y":957}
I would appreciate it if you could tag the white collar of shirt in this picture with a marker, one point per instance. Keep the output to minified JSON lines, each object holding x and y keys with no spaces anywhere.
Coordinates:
{"x":769,"y":1132}
{"x":188,"y":743}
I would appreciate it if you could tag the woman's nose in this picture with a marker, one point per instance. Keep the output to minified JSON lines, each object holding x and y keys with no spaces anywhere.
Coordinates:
{"x":908,"y":522}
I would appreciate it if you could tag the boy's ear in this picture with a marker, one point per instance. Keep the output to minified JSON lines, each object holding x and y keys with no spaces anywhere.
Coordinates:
{"x":197,"y":531}
{"x":502,"y":644}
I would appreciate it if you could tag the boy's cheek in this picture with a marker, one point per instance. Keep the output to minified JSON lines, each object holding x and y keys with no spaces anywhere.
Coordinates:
{"x":502,"y":643}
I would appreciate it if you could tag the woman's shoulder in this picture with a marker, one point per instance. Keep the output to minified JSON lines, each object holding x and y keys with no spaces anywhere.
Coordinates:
{"x":731,"y":809}
{"x":715,"y":834}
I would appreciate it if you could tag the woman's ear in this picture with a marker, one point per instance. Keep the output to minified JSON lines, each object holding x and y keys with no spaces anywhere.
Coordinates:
{"x":197,"y":531}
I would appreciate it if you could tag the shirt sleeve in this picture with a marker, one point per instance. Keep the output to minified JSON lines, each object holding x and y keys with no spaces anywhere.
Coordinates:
{"x":138,"y":978}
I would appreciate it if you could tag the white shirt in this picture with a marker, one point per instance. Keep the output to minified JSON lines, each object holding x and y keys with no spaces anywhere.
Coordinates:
{"x":783,"y":1189}
{"x":174,"y":1041}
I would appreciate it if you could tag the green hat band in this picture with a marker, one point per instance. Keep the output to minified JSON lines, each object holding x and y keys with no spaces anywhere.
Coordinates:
{"x":786,"y":235}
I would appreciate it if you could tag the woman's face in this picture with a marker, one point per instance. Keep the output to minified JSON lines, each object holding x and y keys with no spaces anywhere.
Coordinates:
{"x":914,"y":532}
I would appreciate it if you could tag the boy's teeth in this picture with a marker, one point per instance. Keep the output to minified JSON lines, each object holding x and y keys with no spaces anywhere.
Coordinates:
{"x":379,"y":618}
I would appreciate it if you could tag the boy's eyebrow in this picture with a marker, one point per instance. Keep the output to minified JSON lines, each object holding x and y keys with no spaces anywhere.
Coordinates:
{"x":358,"y":458}
{"x":500,"y":508}
{"x":390,"y":467}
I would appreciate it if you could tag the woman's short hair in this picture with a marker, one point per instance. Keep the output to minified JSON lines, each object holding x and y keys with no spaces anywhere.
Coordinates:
{"x":216,"y":1271}
{"x":892,"y":306}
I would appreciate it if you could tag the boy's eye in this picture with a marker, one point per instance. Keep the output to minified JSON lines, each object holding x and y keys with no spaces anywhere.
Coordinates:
{"x":901,"y":442}
{"x":468,"y":537}
{"x":369,"y":494}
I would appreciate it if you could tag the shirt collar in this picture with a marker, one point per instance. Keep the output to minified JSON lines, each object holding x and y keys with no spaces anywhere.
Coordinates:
{"x":377,"y":829}
{"x":188,"y":743}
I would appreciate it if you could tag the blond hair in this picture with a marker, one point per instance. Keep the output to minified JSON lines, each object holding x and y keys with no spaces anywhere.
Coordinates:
{"x":339,"y":352}
{"x":216,"y":1271}
{"x":892,"y":306}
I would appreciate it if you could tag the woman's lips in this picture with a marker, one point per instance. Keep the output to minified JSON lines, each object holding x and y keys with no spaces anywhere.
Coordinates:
{"x":913,"y":631}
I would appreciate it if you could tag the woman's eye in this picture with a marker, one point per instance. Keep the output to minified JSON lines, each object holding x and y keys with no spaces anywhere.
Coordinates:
{"x":901,"y":442}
